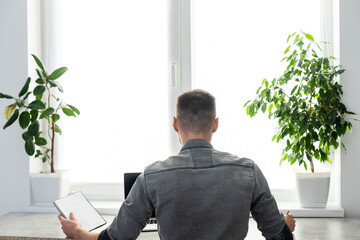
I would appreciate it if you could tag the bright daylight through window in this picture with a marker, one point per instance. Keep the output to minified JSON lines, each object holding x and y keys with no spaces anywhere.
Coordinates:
{"x":117,"y":54}
{"x":235,"y":45}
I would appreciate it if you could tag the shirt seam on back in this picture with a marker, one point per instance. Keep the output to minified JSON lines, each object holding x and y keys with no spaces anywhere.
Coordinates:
{"x":207,"y":167}
{"x":147,"y":193}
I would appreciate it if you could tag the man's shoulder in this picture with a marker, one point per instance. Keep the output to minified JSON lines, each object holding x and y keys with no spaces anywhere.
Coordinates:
{"x":171,"y":163}
{"x":181,"y":161}
{"x":232,"y":159}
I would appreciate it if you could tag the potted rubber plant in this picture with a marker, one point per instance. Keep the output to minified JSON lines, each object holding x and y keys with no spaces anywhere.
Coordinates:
{"x":42,"y":112}
{"x":306,"y":101}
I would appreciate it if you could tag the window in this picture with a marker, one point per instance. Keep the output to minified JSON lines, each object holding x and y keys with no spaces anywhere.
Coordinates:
{"x":128,"y":61}
{"x":235,"y":45}
{"x":116,"y":52}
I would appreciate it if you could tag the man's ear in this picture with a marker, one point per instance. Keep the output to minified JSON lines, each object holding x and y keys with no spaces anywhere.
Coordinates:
{"x":216,"y":125}
{"x":175,"y":126}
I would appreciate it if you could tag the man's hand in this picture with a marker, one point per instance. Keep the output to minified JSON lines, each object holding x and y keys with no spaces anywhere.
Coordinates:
{"x":290,"y":221}
{"x":71,"y":227}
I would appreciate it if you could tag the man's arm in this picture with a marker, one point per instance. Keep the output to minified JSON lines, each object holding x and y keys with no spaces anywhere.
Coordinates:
{"x":265,"y":211}
{"x":72,"y":229}
{"x":132,"y":217}
{"x":133,"y":214}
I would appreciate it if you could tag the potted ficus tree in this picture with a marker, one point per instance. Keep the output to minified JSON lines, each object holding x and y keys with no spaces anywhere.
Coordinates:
{"x":40,"y":113}
{"x":306,"y":101}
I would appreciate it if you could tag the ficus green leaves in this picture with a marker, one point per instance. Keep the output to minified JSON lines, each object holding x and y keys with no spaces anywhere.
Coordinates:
{"x":9,"y":110}
{"x":31,"y":115}
{"x":306,"y":101}
{"x":38,"y":62}
{"x":68,"y":112}
{"x":12,"y":119}
{"x":34,"y":128}
{"x":57,"y":73}
{"x":24,"y":119}
{"x":25,"y":87}
{"x":47,"y":112}
{"x":29,"y":147}
{"x":36,"y":105}
{"x":39,"y":90}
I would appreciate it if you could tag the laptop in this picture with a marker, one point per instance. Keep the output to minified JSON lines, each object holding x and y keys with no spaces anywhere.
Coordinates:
{"x":129,"y":180}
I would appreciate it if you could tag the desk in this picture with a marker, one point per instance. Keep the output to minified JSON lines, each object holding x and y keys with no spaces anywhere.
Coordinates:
{"x":40,"y":226}
{"x":44,"y":226}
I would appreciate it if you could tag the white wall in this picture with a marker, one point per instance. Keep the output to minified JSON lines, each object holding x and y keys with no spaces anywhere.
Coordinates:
{"x":350,"y":60}
{"x":14,"y":163}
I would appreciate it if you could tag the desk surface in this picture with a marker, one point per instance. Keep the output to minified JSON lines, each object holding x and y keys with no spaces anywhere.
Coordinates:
{"x":39,"y":226}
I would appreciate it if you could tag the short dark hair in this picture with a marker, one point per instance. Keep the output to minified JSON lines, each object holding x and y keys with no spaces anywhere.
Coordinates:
{"x":196,"y":111}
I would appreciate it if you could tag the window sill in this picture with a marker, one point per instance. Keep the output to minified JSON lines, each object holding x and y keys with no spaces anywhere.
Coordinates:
{"x":332,"y":210}
{"x":112,"y":208}
{"x":103,"y":207}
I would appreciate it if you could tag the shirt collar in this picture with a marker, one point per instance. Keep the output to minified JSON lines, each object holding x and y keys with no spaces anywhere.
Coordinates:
{"x":196,"y":143}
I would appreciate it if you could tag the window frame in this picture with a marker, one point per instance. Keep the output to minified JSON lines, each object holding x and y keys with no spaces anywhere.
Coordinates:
{"x":180,"y":73}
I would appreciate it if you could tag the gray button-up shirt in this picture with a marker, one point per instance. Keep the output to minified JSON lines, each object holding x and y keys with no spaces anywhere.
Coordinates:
{"x":201,"y":193}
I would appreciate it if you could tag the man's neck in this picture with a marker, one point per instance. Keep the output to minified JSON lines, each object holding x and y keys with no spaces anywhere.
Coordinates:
{"x":189,"y":136}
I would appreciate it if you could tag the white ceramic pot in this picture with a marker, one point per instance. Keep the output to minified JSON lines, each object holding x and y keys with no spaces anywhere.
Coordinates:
{"x":47,"y":187}
{"x":313,"y":189}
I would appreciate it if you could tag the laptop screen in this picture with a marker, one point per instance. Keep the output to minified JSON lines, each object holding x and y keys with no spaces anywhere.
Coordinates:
{"x":129,"y":180}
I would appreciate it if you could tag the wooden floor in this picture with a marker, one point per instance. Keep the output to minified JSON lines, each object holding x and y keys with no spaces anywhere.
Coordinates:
{"x":46,"y":226}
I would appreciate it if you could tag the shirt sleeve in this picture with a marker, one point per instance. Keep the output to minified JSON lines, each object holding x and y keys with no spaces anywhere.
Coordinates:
{"x":264,"y":209}
{"x":104,"y":235}
{"x":133,"y":214}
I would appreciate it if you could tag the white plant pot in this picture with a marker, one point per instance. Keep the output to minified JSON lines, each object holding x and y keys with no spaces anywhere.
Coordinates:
{"x":313,"y":189}
{"x":47,"y":187}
